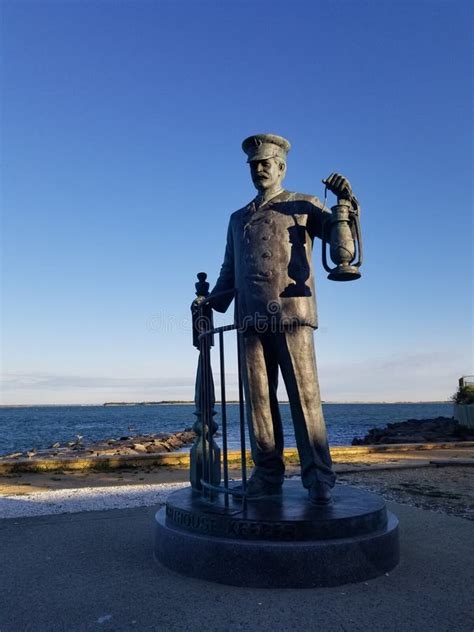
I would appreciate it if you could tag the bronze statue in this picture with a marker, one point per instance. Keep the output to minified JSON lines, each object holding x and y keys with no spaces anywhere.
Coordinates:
{"x":268,"y":262}
{"x":223,"y":533}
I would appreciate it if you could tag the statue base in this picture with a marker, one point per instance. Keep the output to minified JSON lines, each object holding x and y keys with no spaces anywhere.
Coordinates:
{"x":279,"y":541}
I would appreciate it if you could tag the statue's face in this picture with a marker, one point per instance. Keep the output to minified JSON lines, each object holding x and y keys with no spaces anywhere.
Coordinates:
{"x":266,"y":173}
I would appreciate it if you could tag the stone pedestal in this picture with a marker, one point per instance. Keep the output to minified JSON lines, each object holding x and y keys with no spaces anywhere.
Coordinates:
{"x":283,"y":542}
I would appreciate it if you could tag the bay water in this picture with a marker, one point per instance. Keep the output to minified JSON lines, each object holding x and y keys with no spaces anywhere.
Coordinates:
{"x":24,"y":428}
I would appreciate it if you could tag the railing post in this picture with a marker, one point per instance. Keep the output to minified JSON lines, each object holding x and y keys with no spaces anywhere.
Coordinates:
{"x":205,"y":456}
{"x":224,"y":416}
{"x":243,"y":451}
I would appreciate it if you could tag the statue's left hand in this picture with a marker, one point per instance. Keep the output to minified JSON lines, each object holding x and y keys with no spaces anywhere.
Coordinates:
{"x":339,"y":185}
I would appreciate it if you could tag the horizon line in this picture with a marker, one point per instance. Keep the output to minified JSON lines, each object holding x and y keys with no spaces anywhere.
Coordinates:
{"x":190,"y":402}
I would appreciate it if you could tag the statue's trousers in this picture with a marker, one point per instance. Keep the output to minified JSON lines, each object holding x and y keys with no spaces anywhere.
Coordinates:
{"x":293,"y":352}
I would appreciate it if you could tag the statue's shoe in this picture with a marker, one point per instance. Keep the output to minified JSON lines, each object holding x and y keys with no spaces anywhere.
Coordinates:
{"x":319,"y":493}
{"x":257,"y":488}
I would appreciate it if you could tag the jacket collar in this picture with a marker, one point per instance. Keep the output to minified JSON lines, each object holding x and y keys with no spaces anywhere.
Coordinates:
{"x":283,"y":196}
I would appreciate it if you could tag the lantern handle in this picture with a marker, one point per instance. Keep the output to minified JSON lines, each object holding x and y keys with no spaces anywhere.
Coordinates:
{"x":358,"y":240}
{"x":327,"y":228}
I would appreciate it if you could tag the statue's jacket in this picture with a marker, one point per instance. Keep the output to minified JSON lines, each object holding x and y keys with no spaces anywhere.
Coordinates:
{"x":268,"y":262}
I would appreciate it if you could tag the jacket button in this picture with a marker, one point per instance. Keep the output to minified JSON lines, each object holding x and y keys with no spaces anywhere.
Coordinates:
{"x":265,"y":237}
{"x":267,"y":254}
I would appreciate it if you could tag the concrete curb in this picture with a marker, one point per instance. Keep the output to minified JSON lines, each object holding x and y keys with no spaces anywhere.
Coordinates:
{"x":181,"y":459}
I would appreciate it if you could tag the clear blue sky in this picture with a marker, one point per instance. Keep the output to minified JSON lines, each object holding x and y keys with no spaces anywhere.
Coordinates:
{"x":122,"y":125}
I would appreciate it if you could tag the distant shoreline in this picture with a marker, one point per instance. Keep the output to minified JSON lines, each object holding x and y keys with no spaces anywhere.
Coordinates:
{"x":190,"y":403}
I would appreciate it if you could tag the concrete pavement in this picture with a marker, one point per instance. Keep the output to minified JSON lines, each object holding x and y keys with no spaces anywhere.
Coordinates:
{"x":95,"y":571}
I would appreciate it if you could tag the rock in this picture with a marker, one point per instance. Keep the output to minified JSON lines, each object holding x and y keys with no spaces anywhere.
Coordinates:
{"x":439,"y":430}
{"x":139,"y":447}
{"x":159,"y":442}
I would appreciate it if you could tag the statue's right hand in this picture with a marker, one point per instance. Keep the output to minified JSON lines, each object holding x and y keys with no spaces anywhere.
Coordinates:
{"x":197,"y":301}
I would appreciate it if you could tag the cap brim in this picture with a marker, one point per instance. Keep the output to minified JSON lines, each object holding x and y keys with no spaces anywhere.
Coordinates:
{"x":262,"y":155}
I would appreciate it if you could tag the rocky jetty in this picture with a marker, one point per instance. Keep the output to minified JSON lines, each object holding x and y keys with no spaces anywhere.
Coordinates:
{"x":127,"y":445}
{"x":438,"y":430}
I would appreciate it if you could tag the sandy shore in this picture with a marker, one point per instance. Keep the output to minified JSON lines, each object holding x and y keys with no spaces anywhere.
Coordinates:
{"x":436,"y":479}
{"x":347,"y":460}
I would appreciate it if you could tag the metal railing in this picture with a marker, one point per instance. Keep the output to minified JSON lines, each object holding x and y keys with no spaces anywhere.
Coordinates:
{"x":205,"y":457}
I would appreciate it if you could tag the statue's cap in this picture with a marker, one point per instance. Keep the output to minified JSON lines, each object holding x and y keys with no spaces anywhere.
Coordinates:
{"x":264,"y":146}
